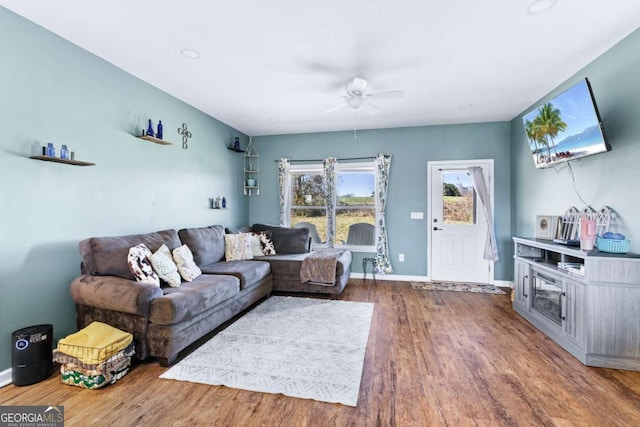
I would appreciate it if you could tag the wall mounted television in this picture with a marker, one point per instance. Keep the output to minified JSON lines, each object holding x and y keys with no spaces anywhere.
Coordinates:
{"x":565,"y":128}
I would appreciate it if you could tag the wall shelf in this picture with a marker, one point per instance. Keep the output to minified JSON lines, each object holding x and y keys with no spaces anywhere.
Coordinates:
{"x":58,"y":160}
{"x":251,"y":170}
{"x":153,"y":139}
{"x":237,"y":150}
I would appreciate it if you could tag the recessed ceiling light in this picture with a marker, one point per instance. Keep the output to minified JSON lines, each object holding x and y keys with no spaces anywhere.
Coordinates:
{"x":540,"y":6}
{"x":190,"y":53}
{"x":465,"y":106}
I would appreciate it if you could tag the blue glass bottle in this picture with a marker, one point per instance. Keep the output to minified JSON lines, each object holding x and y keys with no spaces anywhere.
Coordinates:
{"x":150,"y":129}
{"x":159,"y":133}
{"x":224,"y":202}
{"x":51,"y":151}
{"x":64,"y":152}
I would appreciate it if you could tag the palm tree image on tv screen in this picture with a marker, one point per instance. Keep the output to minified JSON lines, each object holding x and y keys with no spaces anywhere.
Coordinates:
{"x":565,"y":128}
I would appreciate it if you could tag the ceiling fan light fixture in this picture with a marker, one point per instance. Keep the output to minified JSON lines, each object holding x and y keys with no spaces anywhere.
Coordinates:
{"x":540,"y":6}
{"x":356,"y":87}
{"x":355,"y":102}
{"x":190,"y":53}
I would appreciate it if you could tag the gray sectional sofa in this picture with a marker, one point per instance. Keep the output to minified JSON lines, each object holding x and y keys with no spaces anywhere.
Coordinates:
{"x":165,"y":320}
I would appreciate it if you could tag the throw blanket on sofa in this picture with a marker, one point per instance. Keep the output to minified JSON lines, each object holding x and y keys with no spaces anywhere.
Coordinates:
{"x":319,"y":268}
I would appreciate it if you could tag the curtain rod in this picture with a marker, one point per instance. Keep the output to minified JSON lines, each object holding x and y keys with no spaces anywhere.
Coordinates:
{"x":344,"y":159}
{"x":453,"y":169}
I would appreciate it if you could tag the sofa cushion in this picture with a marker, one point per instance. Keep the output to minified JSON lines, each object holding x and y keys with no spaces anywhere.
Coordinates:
{"x":288,"y":266}
{"x":192,"y":298}
{"x":114,"y":293}
{"x":206,"y":243}
{"x":286,"y":240}
{"x":249,"y":272}
{"x":107,"y":256}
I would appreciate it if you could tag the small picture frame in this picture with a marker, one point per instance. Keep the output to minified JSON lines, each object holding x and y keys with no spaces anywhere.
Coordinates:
{"x":547,"y":227}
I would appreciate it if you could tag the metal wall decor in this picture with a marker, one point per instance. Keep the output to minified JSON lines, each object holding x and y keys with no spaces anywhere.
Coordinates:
{"x":182,"y":131}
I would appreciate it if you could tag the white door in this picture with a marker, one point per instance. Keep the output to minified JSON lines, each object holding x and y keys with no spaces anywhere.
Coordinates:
{"x":457,"y":223}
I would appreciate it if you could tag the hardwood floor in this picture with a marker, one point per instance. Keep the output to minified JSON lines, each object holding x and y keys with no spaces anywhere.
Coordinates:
{"x":434,"y":358}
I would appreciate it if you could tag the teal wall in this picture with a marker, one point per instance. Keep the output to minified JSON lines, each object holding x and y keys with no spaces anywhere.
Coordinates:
{"x":608,"y":179}
{"x":51,"y":90}
{"x":411,"y":149}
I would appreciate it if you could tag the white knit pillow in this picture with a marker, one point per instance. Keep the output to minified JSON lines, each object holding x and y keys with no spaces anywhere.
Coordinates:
{"x":184,"y":261}
{"x":163,"y":264}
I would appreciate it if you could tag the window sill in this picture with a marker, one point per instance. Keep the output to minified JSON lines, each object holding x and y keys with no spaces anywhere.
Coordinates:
{"x":357,"y":248}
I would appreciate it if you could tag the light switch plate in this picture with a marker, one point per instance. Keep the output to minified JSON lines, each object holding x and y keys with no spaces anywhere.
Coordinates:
{"x":417,"y":215}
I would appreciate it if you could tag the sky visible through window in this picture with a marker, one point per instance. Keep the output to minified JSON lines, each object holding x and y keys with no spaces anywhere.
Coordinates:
{"x":458,"y":179}
{"x":358,"y":184}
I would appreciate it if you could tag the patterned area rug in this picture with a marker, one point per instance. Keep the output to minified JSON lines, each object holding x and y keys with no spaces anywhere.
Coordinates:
{"x":458,"y":287}
{"x":300,"y":347}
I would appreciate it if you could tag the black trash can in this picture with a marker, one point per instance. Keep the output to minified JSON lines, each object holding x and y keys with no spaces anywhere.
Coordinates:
{"x":31,"y":354}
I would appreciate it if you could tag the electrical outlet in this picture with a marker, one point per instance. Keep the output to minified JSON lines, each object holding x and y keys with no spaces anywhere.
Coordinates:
{"x":401,"y":257}
{"x":417,"y":215}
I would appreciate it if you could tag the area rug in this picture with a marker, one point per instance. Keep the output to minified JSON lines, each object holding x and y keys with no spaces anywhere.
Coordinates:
{"x":458,"y":287}
{"x":299,"y":347}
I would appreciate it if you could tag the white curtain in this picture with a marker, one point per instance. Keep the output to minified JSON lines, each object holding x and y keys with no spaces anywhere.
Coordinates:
{"x":330,"y":175}
{"x":490,"y":247}
{"x":284,"y":180}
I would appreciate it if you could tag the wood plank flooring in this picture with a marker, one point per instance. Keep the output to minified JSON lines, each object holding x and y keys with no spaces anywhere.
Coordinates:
{"x":434,"y":358}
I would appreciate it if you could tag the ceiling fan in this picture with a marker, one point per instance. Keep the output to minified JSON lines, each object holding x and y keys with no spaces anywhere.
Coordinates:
{"x":356,"y":96}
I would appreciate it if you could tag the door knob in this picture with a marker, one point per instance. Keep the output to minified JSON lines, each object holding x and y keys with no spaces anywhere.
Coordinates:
{"x":436,"y":228}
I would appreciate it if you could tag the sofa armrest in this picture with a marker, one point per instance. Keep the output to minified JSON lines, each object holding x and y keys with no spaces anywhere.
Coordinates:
{"x":114,"y":293}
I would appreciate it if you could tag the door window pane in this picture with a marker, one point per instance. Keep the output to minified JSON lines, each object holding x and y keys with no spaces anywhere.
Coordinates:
{"x":458,"y":198}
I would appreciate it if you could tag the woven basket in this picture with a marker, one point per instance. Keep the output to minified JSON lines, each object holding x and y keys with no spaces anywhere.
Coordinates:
{"x":613,"y":245}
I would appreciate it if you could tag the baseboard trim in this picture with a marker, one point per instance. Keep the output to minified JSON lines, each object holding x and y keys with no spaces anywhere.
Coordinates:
{"x":394,"y":277}
{"x":503,"y":284}
{"x":405,"y":278}
{"x":5,"y":377}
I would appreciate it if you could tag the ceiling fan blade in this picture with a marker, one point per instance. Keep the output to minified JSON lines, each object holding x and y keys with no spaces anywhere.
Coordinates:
{"x":336,"y":108}
{"x":390,"y":94}
{"x":373,"y":108}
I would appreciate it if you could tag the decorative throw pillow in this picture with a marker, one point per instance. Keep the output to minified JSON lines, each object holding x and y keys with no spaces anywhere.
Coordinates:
{"x":184,"y":261}
{"x":163,"y":264}
{"x":261,"y":244}
{"x":237,"y":247}
{"x":140,"y":265}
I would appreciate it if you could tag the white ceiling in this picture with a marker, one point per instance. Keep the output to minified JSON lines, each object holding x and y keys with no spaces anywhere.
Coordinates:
{"x":264,"y":63}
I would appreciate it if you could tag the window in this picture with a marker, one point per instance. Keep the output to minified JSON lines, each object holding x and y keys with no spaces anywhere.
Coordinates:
{"x":307,"y":200}
{"x":458,"y":198}
{"x":355,"y":211}
{"x":355,"y":205}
